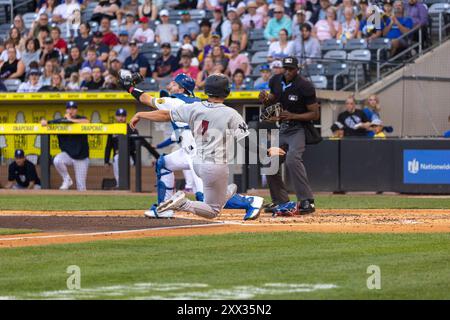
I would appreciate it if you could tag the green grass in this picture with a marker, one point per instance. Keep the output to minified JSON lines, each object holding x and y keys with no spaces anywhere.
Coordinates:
{"x":139,"y":202}
{"x":413,"y":266}
{"x":4,"y":231}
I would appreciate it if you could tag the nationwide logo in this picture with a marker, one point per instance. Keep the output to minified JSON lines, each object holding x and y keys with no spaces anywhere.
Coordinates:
{"x":413,"y":166}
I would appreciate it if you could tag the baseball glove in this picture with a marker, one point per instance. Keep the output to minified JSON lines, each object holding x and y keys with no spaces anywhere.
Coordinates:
{"x":271,"y":111}
{"x":128,"y":79}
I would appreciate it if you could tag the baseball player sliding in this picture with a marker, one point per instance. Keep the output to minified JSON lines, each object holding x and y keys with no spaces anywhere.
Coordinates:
{"x":179,"y":95}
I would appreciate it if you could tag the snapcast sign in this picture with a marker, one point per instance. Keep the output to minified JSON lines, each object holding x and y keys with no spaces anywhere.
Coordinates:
{"x":426,"y":166}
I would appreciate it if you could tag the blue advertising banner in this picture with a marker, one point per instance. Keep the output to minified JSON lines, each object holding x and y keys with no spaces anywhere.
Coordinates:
{"x":426,"y":166}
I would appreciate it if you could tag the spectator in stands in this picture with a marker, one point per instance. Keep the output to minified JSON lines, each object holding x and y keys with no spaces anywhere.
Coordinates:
{"x":165,"y":64}
{"x":46,"y":77}
{"x":111,"y":82}
{"x":108,"y":9}
{"x":136,"y":62}
{"x":263,"y":10}
{"x":252,"y":19}
{"x":9,"y":44}
{"x":32,"y":52}
{"x":368,"y":28}
{"x":74,"y":62}
{"x":337,"y":130}
{"x":321,"y":13}
{"x":22,"y":173}
{"x":96,"y":82}
{"x":122,"y":48}
{"x":186,"y":67}
{"x":43,"y":34}
{"x":341,"y":10}
{"x":20,"y":25}
{"x":397,"y":25}
{"x":32,"y":85}
{"x":92,"y":59}
{"x":238,"y":60}
{"x":187,"y":26}
{"x":207,"y":68}
{"x":83,"y":40}
{"x":101,"y":49}
{"x":74,"y":82}
{"x":166,"y":32}
{"x":327,"y":28}
{"x":130,"y":25}
{"x":148,"y":9}
{"x":372,"y":107}
{"x":237,"y":34}
{"x":275,"y":24}
{"x":49,"y":52}
{"x":237,"y":5}
{"x":217,"y":21}
{"x":109,"y":38}
{"x":64,"y":11}
{"x":226,"y":25}
{"x":307,"y":47}
{"x":185,"y":4}
{"x":276,"y":67}
{"x":348,"y":29}
{"x":58,"y":42}
{"x":377,"y":129}
{"x":238,"y":80}
{"x":12,"y":68}
{"x":86,"y":77}
{"x":297,"y":22}
{"x":354,"y":120}
{"x":115,"y":65}
{"x":144,"y":34}
{"x":215,"y":41}
{"x":281,"y":3}
{"x":281,"y":48}
{"x":262,"y":83}
{"x":219,"y":57}
{"x":57,"y":83}
{"x":38,"y":25}
{"x":418,"y":12}
{"x":48,"y":7}
{"x":19,"y":42}
{"x":188,"y":49}
{"x":205,"y":35}
{"x":207,"y":4}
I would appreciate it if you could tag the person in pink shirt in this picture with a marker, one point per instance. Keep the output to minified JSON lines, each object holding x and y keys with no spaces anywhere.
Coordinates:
{"x":186,"y":67}
{"x":328,"y":28}
{"x":252,"y":19}
{"x":238,"y":60}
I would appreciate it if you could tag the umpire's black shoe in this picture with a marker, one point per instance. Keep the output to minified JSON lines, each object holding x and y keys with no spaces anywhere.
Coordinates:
{"x":269,"y":207}
{"x":306,"y":207}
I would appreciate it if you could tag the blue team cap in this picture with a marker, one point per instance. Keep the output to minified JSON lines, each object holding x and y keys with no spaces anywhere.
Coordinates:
{"x":265,"y":67}
{"x":71,"y":104}
{"x":19,"y":154}
{"x":121,"y":112}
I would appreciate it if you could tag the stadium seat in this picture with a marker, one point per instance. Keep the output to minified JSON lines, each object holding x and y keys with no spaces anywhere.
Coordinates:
{"x":151,"y":57}
{"x":12,"y":84}
{"x":175,"y":47}
{"x":249,"y":83}
{"x":153,"y":47}
{"x":4,"y":30}
{"x":259,"y":58}
{"x":256,"y":34}
{"x":314,"y":69}
{"x":29,"y":18}
{"x":332,"y":44}
{"x":439,"y":7}
{"x":379,"y":43}
{"x":259,"y":45}
{"x":354,"y":44}
{"x":335,"y":72}
{"x":359,"y":55}
{"x":94,"y":26}
{"x":320,"y":82}
{"x":335,"y":55}
{"x":149,"y":84}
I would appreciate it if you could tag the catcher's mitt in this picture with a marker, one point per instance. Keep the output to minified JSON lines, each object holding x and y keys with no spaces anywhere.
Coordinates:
{"x":128,"y":79}
{"x":271,"y":111}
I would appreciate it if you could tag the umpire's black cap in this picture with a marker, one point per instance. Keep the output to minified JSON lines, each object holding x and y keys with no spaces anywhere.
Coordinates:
{"x":290,"y":62}
{"x":121,"y":112}
{"x":19,"y":154}
{"x":71,"y":105}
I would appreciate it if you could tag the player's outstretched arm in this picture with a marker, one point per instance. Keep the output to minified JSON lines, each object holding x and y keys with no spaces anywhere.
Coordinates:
{"x":156,"y":116}
{"x":129,"y":81}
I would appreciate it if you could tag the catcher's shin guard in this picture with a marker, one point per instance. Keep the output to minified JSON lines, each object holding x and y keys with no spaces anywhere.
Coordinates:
{"x":161,"y":171}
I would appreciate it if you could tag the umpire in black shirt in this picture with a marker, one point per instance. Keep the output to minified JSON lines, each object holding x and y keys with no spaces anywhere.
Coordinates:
{"x":298,"y":99}
{"x":74,"y":150}
{"x":112,"y":143}
{"x":22,"y":173}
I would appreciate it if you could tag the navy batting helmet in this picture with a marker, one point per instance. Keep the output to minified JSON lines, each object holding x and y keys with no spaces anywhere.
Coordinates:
{"x":186,"y":82}
{"x":217,"y":85}
{"x":71,"y":104}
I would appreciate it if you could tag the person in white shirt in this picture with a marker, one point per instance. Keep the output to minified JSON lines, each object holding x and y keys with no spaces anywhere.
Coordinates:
{"x":281,"y":48}
{"x":65,"y":10}
{"x":32,"y":85}
{"x":122,"y":49}
{"x":226,"y":25}
{"x":208,"y":4}
{"x":165,"y":31}
{"x":144,"y":34}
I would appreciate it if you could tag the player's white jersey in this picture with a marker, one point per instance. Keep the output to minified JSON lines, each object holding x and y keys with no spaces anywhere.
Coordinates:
{"x":183,"y":134}
{"x":214,"y":126}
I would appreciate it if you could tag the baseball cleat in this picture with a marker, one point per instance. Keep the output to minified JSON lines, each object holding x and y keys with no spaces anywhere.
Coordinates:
{"x":152,"y":213}
{"x":66,"y":184}
{"x":306,"y":207}
{"x":269,"y":207}
{"x":174,"y":203}
{"x":255,"y":210}
{"x":287,"y":209}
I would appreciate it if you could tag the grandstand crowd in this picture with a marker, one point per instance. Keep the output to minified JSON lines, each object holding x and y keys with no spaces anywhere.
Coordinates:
{"x":78,"y":45}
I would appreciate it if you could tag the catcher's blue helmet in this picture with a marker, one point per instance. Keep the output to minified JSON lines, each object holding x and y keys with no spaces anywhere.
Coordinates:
{"x":71,"y":104}
{"x":186,"y":82}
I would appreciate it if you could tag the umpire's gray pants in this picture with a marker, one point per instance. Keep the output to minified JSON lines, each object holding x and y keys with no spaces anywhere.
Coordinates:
{"x":295,"y":139}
